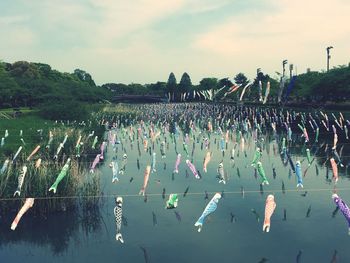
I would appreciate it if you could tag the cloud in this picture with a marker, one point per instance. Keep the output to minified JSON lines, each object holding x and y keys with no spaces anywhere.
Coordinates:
{"x":13,"y":20}
{"x":299,"y":30}
{"x":203,"y":6}
{"x":144,"y":40}
{"x":121,"y":18}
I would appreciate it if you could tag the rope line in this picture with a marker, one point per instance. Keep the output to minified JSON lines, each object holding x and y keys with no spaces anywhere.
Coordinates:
{"x":189,"y":193}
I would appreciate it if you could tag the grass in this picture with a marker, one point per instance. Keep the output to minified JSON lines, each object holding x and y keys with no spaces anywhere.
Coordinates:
{"x":38,"y":180}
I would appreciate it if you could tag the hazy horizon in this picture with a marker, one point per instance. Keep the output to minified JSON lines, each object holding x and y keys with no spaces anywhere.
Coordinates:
{"x":143,"y":41}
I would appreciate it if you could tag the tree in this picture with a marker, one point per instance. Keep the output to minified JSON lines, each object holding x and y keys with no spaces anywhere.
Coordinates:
{"x":225,"y":82}
{"x":185,"y":86}
{"x":157,"y":88}
{"x":84,"y":76}
{"x":171,"y":86}
{"x":241,"y":79}
{"x":208,"y":83}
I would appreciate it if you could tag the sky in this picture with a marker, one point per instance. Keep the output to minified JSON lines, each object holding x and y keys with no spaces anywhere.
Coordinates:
{"x":142,"y":41}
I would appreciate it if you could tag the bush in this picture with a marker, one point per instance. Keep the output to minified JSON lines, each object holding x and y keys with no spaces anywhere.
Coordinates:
{"x":65,"y":110}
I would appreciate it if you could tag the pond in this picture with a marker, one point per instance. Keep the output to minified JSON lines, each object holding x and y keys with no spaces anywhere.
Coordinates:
{"x":305,"y":226}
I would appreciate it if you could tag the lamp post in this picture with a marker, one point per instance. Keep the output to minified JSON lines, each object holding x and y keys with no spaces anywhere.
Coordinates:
{"x":291,"y":70}
{"x":328,"y":56}
{"x":284,"y":62}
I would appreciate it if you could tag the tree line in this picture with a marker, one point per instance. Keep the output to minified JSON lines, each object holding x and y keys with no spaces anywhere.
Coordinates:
{"x":38,"y":85}
{"x":25,"y":84}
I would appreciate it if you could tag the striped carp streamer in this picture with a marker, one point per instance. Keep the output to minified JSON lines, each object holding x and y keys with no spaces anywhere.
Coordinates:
{"x":172,"y":201}
{"x":262,"y":174}
{"x":60,"y":176}
{"x":298,"y":174}
{"x":221,"y":173}
{"x":115,"y":168}
{"x":343,"y":208}
{"x":27,"y":204}
{"x":177,"y":162}
{"x":21,"y":176}
{"x":270,"y":206}
{"x":206,"y":161}
{"x":118,"y":213}
{"x":210,"y":208}
{"x":334,"y":169}
{"x":193,"y":169}
{"x":145,"y":180}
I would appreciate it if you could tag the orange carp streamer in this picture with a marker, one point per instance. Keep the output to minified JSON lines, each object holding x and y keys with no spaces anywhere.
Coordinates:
{"x":269,"y":209}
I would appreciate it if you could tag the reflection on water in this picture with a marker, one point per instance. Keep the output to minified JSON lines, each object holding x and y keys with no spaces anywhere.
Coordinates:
{"x":305,"y":226}
{"x":53,"y":232}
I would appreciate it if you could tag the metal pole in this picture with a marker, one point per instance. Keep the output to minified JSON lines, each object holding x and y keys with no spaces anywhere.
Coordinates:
{"x":328,"y":56}
{"x":284,"y":62}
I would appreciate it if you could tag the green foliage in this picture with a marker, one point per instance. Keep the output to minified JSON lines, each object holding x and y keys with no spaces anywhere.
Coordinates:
{"x":158,"y":88}
{"x":208,"y":83}
{"x":185,"y":84}
{"x":333,"y":85}
{"x":241,"y":79}
{"x":171,"y":86}
{"x":131,"y":89}
{"x":25,"y":84}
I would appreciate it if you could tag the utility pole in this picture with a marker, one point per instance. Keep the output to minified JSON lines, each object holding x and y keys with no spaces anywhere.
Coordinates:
{"x":328,"y":56}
